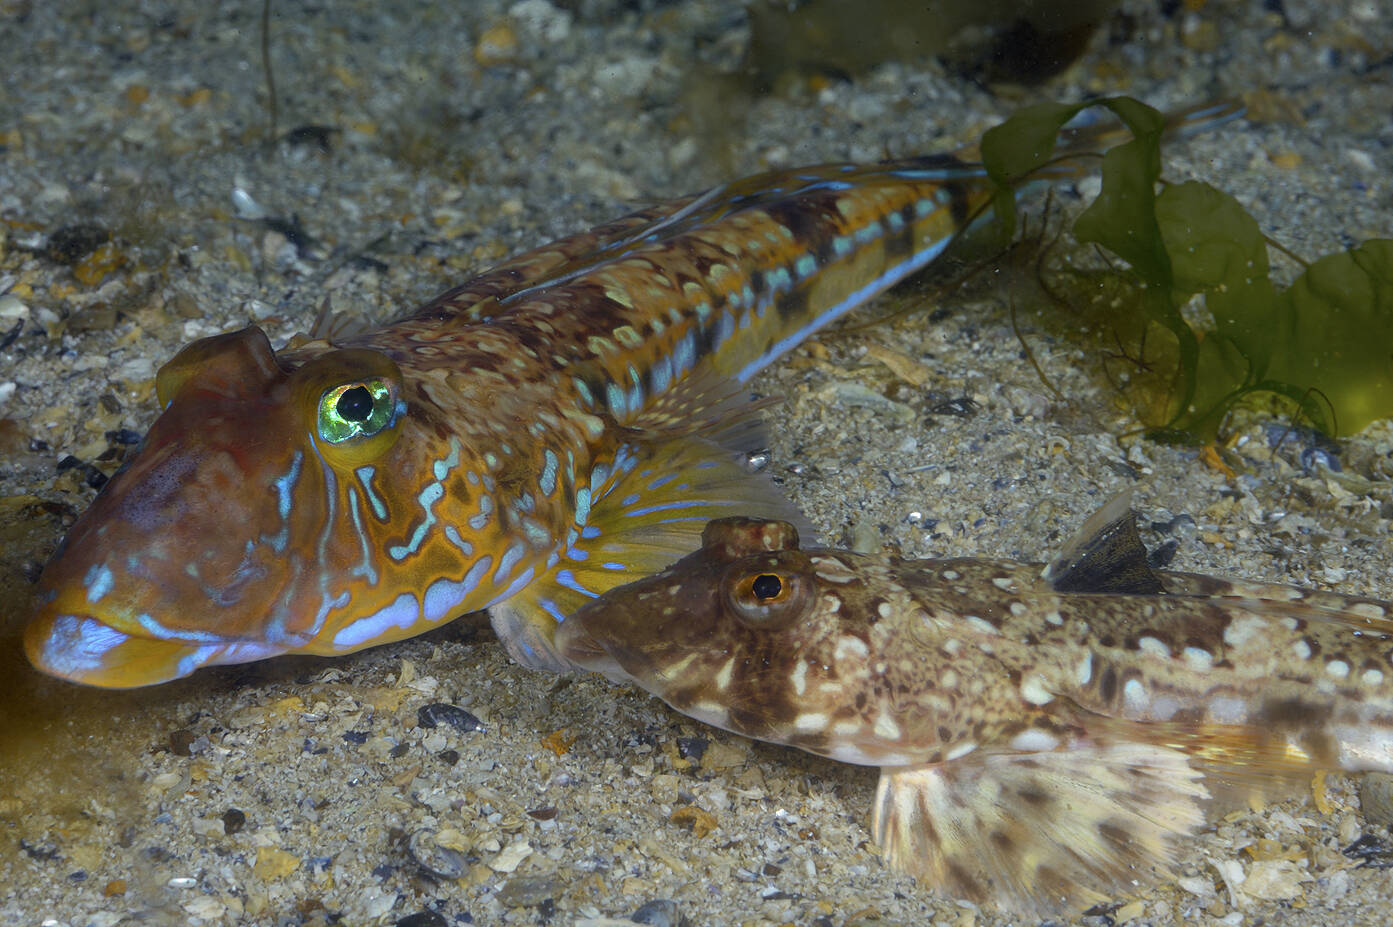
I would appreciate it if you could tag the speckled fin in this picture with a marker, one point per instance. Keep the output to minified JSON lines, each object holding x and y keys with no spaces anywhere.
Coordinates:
{"x":648,"y":512}
{"x":1040,"y":833}
{"x":1106,"y":555}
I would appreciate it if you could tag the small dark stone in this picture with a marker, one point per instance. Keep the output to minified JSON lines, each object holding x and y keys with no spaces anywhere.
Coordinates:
{"x":312,"y":136}
{"x":771,"y":869}
{"x":423,"y":919}
{"x":67,"y":463}
{"x":658,"y":913}
{"x":438,"y":713}
{"x":542,"y":814}
{"x":95,"y":478}
{"x":959,"y":407}
{"x":693,"y":749}
{"x":9,"y":337}
{"x":1164,"y":553}
{"x":78,"y":876}
{"x":383,"y":872}
{"x":399,"y":751}
{"x":39,"y":854}
{"x":233,"y":820}
{"x":448,"y":757}
{"x":72,"y":243}
{"x":356,"y":737}
{"x":179,"y":742}
{"x":1372,"y":851}
{"x":124,"y":436}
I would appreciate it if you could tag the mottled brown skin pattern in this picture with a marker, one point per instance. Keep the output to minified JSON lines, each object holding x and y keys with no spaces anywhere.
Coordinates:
{"x":975,"y":651}
{"x":1037,"y":748}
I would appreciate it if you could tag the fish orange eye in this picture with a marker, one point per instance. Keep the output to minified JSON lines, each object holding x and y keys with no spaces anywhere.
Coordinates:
{"x":359,"y":409}
{"x":766,"y":599}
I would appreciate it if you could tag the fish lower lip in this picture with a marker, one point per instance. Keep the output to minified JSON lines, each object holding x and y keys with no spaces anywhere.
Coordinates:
{"x":85,"y":650}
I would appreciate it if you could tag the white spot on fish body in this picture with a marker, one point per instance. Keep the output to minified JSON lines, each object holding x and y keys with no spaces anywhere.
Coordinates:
{"x":952,"y":646}
{"x":886,"y":727}
{"x":961,"y":750}
{"x":1197,"y":658}
{"x":1289,"y":623}
{"x":1337,"y":668}
{"x":1228,"y":710}
{"x":981,"y":625}
{"x":1154,"y":646}
{"x":1164,"y":707}
{"x":1083,"y":673}
{"x":1034,"y":740}
{"x":1243,"y":629}
{"x":1372,"y":677}
{"x":1054,"y":618}
{"x":810,"y":722}
{"x":1004,"y":583}
{"x":1034,"y":691}
{"x":950,"y":575}
{"x":799,"y":677}
{"x":884,"y":611}
{"x":709,"y":712}
{"x":1302,"y":650}
{"x":1018,"y":609}
{"x":723,"y":675}
{"x":1134,"y":696}
{"x":849,"y":646}
{"x":832,"y":570}
{"x":847,"y":727}
{"x":1367,"y":610}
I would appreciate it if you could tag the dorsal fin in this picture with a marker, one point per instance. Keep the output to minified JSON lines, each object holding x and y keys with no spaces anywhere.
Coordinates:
{"x":1106,"y":555}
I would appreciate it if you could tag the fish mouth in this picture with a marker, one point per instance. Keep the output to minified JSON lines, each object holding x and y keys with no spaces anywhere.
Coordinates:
{"x":84,"y":650}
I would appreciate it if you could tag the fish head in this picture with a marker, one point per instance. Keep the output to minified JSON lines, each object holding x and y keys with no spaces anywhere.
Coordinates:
{"x":232,"y":533}
{"x":747,"y":635}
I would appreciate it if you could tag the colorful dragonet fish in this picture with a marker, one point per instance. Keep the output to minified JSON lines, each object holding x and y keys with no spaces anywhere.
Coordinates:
{"x":1042,"y":737}
{"x":560,"y":425}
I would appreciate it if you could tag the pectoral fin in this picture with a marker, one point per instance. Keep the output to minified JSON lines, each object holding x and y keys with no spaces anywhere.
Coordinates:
{"x":648,"y":511}
{"x":1040,"y":833}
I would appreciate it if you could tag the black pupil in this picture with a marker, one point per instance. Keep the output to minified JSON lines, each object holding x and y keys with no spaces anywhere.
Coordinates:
{"x":355,"y":405}
{"x":766,"y":586}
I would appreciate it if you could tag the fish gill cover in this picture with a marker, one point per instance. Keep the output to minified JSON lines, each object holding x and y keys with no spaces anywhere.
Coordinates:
{"x":1325,"y":342}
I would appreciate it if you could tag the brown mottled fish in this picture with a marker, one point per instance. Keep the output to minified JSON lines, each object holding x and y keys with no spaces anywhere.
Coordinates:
{"x":1043,"y":736}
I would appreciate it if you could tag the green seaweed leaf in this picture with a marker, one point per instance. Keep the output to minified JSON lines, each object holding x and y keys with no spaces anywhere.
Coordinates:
{"x":1325,"y":343}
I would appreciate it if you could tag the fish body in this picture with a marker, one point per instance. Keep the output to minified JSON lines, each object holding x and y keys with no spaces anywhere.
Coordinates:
{"x":1043,"y":737}
{"x":557,"y":426}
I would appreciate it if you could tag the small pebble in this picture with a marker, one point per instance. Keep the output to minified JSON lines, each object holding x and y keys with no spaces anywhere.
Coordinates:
{"x":658,"y":913}
{"x":423,"y":919}
{"x":428,"y":716}
{"x":440,"y":861}
{"x":529,"y":891}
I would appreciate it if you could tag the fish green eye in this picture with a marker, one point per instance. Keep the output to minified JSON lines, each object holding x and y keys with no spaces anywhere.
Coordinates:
{"x":766,"y":599}
{"x":359,"y":409}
